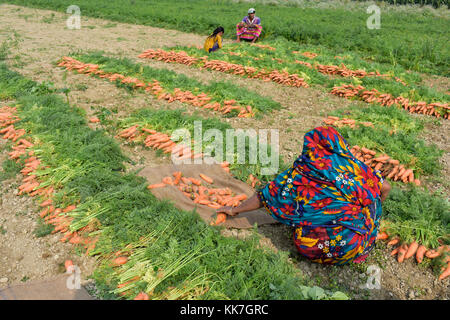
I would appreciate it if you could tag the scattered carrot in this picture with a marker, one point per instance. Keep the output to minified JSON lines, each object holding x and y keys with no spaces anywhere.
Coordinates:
{"x":206,"y":178}
{"x":156,"y":185}
{"x":393,"y":242}
{"x":141,"y":296}
{"x":382,"y":236}
{"x":67,"y":264}
{"x":221,"y":217}
{"x":446,"y":272}
{"x":120,"y":261}
{"x":420,"y":253}
{"x":402,"y":252}
{"x":411,"y":249}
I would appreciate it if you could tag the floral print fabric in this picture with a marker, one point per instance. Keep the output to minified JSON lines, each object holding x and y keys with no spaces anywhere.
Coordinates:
{"x":331,"y":198}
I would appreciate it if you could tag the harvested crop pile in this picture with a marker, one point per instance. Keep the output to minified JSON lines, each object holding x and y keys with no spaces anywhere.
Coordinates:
{"x":182,"y":57}
{"x":31,"y":185}
{"x":398,"y":172}
{"x":200,"y":100}
{"x":405,"y":251}
{"x":340,"y":122}
{"x":200,"y":191}
{"x":436,"y":109}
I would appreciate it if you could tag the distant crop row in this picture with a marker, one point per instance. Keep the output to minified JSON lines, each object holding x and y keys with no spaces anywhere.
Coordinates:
{"x":413,"y":40}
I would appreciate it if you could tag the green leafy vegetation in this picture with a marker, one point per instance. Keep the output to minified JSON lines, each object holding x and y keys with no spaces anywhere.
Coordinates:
{"x":9,"y":169}
{"x":87,"y":165}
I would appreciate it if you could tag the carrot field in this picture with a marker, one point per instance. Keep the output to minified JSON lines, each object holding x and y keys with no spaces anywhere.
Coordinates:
{"x":84,"y":111}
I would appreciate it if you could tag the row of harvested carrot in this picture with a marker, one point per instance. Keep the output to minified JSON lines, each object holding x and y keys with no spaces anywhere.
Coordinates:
{"x":398,"y":172}
{"x":201,"y":100}
{"x":341,"y":122}
{"x":342,"y":71}
{"x":159,"y":140}
{"x":182,"y":57}
{"x":31,"y":185}
{"x":386,"y":99}
{"x":405,"y":251}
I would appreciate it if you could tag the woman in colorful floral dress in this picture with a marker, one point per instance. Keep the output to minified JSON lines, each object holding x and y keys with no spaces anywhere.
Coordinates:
{"x":331,"y":199}
{"x":249,"y":29}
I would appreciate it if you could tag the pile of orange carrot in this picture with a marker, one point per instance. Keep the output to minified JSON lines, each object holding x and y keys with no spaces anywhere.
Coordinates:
{"x":223,"y":66}
{"x":385,"y":99}
{"x":201,"y":100}
{"x":196,"y":190}
{"x":340,"y":122}
{"x":405,"y":251}
{"x":398,"y":172}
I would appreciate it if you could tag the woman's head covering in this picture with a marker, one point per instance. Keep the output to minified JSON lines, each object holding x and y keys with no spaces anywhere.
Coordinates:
{"x":251,"y":10}
{"x":326,"y":156}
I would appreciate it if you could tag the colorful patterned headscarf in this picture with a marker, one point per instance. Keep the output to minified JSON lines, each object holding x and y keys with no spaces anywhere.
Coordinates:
{"x":326,"y":186}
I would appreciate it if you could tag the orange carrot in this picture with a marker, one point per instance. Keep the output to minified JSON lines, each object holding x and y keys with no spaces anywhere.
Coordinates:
{"x":206,"y":178}
{"x":141,"y":296}
{"x":446,"y":272}
{"x":393,"y":242}
{"x":167,"y":180}
{"x":420,"y":252}
{"x":156,"y":185}
{"x":411,"y":249}
{"x":46,"y":203}
{"x":395,"y":251}
{"x":221,"y":217}
{"x":401,"y":253}
{"x":177,"y":176}
{"x":382,"y":236}
{"x":195,"y":181}
{"x":69,"y":208}
{"x":241,"y":197}
{"x":67,"y":264}
{"x":431,"y":254}
{"x":120,"y":260}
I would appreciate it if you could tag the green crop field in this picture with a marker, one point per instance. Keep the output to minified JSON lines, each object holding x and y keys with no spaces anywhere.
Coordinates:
{"x":83,"y":111}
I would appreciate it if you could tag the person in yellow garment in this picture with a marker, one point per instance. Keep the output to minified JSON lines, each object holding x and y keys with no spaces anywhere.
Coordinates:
{"x":214,"y":41}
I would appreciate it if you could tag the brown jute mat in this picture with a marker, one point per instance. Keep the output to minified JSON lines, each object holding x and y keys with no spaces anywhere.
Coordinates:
{"x":221,"y":179}
{"x":52,"y":289}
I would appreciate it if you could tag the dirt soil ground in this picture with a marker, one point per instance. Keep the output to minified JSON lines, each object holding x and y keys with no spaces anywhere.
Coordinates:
{"x":43,"y":38}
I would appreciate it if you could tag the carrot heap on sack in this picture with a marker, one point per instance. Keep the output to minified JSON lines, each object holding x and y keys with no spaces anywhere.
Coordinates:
{"x":397,"y":170}
{"x":183,"y":58}
{"x":405,"y":251}
{"x":195,"y":190}
{"x":201,"y":100}
{"x":385,"y":99}
{"x":340,"y":122}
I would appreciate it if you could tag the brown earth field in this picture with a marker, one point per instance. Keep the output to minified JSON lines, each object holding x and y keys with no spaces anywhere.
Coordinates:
{"x":43,"y":38}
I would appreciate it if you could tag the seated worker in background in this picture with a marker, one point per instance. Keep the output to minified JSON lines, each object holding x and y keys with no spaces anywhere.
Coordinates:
{"x":331,"y":199}
{"x":249,"y":28}
{"x":214,"y":41}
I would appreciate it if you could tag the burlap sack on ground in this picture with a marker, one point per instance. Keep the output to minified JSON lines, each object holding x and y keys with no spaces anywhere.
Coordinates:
{"x":53,"y":289}
{"x":221,"y":179}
